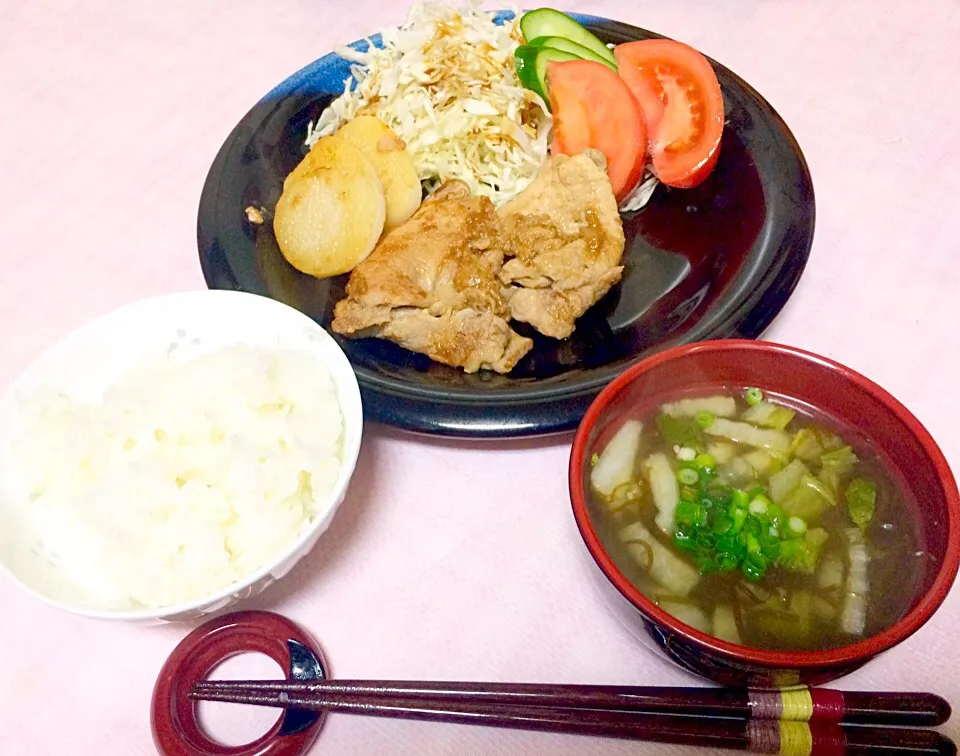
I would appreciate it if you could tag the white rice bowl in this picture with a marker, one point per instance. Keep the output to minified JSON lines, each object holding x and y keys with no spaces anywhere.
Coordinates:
{"x":174,"y":456}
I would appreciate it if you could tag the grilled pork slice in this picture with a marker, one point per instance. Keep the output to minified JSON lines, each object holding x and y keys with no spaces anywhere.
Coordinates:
{"x":431,"y":285}
{"x":564,"y":240}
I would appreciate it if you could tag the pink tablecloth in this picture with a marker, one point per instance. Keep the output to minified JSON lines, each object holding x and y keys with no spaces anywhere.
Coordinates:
{"x":112,"y":113}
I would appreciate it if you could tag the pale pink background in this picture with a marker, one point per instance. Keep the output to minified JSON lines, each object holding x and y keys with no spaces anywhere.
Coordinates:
{"x":449,"y":559}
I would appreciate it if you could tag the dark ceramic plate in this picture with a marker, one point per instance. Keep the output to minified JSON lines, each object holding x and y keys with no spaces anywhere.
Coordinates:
{"x":717,"y":261}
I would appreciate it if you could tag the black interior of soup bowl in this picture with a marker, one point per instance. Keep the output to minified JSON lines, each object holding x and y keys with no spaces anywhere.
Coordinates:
{"x":716,"y":261}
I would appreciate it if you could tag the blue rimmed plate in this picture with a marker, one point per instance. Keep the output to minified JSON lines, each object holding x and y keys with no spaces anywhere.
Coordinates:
{"x":717,"y":261}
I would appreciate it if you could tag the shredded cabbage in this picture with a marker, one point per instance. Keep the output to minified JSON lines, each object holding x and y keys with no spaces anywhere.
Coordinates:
{"x":445,"y":82}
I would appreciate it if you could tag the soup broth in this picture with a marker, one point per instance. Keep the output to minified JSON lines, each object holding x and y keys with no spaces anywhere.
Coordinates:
{"x":756,"y":522}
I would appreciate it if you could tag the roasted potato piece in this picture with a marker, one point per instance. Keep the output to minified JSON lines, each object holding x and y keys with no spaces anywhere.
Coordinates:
{"x":388,"y":153}
{"x":331,"y":212}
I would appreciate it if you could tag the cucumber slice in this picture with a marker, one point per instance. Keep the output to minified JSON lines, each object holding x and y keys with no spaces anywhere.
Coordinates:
{"x":531,"y":63}
{"x":547,"y":22}
{"x":562,"y":43}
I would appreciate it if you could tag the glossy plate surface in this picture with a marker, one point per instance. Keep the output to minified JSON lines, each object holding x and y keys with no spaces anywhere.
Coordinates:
{"x":717,"y":261}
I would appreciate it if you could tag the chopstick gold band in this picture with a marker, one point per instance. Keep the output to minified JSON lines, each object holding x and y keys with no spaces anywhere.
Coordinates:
{"x":780,"y":737}
{"x":793,"y":705}
{"x":795,"y":739}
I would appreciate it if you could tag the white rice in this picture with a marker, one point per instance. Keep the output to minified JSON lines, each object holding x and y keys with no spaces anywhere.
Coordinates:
{"x":186,"y":478}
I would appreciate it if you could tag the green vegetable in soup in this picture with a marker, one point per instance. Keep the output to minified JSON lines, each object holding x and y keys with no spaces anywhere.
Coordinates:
{"x":680,"y":431}
{"x":861,"y":499}
{"x":768,"y":415}
{"x":806,"y":445}
{"x":726,"y":529}
{"x":705,"y":461}
{"x":809,"y":499}
{"x":801,"y":554}
{"x":753,"y":396}
{"x":790,"y":622}
{"x":840,"y":461}
{"x":762,"y":462}
{"x":835,"y":465}
{"x":812,"y":442}
{"x":785,"y":481}
{"x":829,"y":441}
{"x":704,"y":419}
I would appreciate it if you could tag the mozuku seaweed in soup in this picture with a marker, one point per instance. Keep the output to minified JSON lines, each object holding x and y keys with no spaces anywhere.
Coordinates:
{"x":756,"y":524}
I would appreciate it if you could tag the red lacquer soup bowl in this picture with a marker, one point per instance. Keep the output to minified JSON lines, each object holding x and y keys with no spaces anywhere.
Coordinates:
{"x":827,"y":390}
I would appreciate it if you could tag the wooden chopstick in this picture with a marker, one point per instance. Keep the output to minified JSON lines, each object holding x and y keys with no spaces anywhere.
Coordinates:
{"x":908,"y":709}
{"x":713,"y":732}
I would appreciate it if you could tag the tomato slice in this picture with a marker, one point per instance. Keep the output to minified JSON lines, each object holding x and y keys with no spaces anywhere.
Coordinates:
{"x":647,"y":92}
{"x":593,"y":107}
{"x":681,"y":100}
{"x":571,"y":128}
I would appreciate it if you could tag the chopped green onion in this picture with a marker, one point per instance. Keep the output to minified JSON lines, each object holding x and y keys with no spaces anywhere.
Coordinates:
{"x":758,"y":506}
{"x":797,"y":526}
{"x":705,"y":462}
{"x":752,"y":527}
{"x":687,"y":476}
{"x":724,"y":524}
{"x":753,"y":396}
{"x":683,"y":539}
{"x":752,"y":571}
{"x":686,"y":512}
{"x":727,"y":562}
{"x":775,"y":514}
{"x":770,"y":546}
{"x":706,"y":540}
{"x":739,"y":517}
{"x":704,"y":419}
{"x":729,"y":544}
{"x":702,"y":517}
